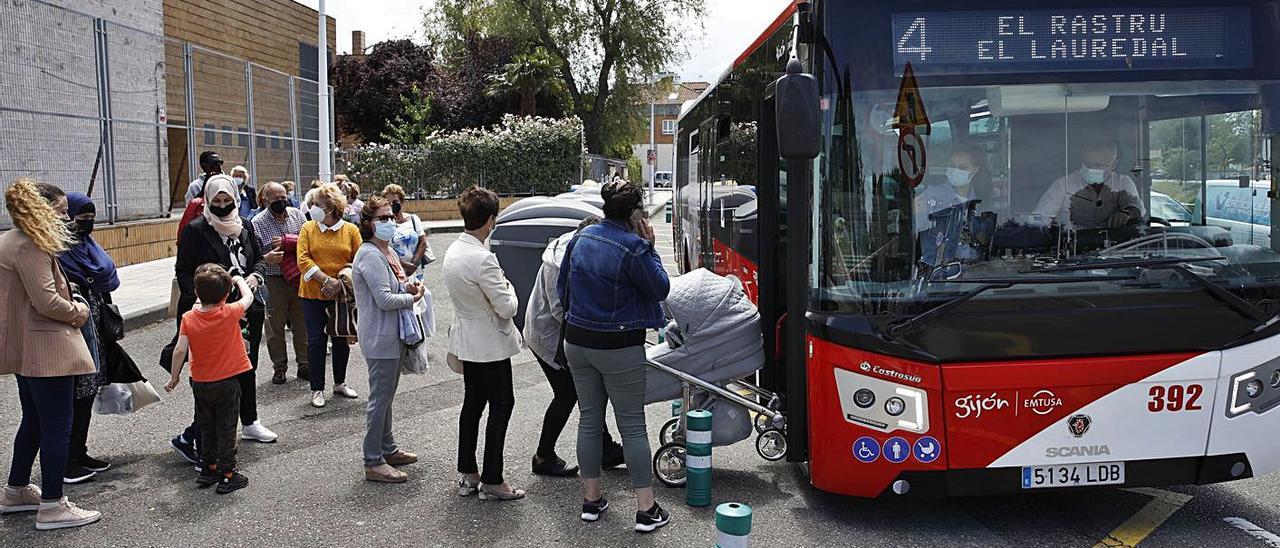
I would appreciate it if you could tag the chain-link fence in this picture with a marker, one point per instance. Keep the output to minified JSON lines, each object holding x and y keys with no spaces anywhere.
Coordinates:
{"x":97,"y":106}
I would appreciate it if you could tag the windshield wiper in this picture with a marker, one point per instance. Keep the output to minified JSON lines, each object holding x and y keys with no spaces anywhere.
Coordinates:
{"x":1179,"y":265}
{"x":987,"y":285}
{"x":1121,"y":263}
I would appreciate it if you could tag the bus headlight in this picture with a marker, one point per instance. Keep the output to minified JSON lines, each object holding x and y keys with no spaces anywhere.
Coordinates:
{"x":895,"y":406}
{"x":1275,"y":379}
{"x":1253,"y":388}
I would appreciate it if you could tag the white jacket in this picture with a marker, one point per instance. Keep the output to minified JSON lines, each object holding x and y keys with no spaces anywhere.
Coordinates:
{"x":543,"y":312}
{"x":483,"y":304}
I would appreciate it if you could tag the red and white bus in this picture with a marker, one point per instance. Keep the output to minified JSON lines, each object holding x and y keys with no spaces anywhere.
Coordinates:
{"x":963,"y":288}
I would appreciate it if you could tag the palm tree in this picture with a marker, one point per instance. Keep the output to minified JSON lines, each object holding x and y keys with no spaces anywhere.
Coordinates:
{"x":526,"y":74}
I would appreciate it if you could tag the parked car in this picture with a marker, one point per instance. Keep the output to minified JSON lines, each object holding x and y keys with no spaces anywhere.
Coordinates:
{"x":662,"y":179}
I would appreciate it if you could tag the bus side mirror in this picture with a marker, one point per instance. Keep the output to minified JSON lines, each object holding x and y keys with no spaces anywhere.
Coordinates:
{"x":797,"y":114}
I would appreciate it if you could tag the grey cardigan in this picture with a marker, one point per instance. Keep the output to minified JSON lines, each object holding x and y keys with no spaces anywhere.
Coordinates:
{"x":379,"y":298}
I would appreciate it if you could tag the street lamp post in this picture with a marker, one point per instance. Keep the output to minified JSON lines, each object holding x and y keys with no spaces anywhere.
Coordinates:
{"x":652,"y":153}
{"x":322,"y":102}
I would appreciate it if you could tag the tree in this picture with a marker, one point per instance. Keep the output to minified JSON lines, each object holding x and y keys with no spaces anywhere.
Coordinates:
{"x":599,"y":46}
{"x":368,"y":88}
{"x":526,"y":75}
{"x":412,"y":126}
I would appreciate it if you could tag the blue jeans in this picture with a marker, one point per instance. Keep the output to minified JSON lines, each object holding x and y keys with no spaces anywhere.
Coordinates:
{"x":313,"y":312}
{"x":46,"y":429}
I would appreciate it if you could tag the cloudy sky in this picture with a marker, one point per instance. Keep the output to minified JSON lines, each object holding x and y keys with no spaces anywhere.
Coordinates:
{"x":731,"y":25}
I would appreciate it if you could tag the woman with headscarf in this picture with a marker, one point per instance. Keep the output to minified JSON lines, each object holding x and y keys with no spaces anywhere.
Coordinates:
{"x":90,"y":268}
{"x":223,"y":237}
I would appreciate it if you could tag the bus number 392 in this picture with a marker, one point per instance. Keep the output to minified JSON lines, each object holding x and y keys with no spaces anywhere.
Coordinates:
{"x":1175,"y":397}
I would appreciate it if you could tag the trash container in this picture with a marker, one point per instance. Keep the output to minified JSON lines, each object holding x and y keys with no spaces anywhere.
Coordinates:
{"x":522,"y":235}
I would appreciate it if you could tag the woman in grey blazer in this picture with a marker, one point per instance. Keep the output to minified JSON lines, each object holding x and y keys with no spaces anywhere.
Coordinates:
{"x":381,"y":292}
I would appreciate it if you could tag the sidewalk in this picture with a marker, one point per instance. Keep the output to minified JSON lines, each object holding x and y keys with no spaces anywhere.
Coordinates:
{"x":143,"y":296}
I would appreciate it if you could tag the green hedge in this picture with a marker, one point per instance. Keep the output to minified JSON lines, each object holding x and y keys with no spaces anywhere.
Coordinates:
{"x":521,"y":155}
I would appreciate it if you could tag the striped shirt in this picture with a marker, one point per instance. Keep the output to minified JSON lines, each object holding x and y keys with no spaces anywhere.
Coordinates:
{"x":268,"y":228}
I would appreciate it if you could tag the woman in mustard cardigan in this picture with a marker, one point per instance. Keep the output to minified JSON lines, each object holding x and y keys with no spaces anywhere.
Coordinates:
{"x":326,"y":245}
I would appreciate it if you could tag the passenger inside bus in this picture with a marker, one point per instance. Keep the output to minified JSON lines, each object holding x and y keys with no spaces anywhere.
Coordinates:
{"x":1094,"y":196}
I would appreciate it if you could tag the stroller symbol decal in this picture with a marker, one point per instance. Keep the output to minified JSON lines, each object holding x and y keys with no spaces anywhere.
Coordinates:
{"x":926,"y":449}
{"x":866,"y":449}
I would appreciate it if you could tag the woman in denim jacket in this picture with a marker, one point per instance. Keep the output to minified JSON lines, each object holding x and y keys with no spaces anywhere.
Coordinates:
{"x":612,"y":282}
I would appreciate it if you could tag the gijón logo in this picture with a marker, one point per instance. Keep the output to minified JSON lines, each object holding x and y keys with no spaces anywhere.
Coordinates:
{"x":974,"y":405}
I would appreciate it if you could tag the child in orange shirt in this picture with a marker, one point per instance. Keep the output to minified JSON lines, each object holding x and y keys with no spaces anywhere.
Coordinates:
{"x":211,"y":331}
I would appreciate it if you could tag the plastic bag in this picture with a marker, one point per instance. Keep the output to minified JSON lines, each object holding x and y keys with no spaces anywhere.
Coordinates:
{"x":143,"y":394}
{"x":416,"y":362}
{"x":113,"y":399}
{"x":425,"y":310}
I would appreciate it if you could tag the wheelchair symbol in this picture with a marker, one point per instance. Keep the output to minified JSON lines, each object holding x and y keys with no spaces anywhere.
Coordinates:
{"x":866,"y":449}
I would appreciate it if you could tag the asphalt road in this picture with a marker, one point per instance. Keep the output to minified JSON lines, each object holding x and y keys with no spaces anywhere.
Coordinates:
{"x":308,"y":489}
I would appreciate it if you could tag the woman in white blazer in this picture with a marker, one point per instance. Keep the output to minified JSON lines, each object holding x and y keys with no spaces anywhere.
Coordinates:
{"x":484,"y":339}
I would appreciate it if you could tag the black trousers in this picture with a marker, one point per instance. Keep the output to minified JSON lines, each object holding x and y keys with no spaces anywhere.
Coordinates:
{"x":256,"y":316}
{"x":81,"y":413}
{"x":217,"y":408}
{"x":564,"y":397}
{"x":485,"y":384}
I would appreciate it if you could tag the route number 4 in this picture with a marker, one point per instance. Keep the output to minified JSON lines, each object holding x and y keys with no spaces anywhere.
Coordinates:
{"x":917,"y":31}
{"x":1175,"y":398}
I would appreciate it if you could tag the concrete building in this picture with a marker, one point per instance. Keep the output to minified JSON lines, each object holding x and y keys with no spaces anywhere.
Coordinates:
{"x":667,"y":98}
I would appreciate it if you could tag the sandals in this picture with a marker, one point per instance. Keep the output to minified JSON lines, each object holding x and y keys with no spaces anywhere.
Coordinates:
{"x":487,"y":494}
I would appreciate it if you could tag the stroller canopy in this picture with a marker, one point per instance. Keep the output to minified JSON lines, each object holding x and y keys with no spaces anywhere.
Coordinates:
{"x":704,"y":304}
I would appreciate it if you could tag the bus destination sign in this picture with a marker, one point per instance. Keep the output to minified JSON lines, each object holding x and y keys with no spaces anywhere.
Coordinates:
{"x":1073,"y":39}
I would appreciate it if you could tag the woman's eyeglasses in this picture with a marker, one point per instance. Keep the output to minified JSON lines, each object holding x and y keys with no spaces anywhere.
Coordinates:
{"x":384,"y":218}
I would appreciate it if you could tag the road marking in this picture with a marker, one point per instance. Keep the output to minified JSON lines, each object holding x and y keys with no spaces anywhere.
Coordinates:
{"x":1163,"y":505}
{"x":1259,"y":533}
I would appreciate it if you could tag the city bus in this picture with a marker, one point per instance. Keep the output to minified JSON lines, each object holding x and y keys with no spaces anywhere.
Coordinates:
{"x":964,"y":281}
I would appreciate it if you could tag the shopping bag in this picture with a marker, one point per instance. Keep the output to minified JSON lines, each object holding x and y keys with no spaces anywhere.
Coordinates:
{"x":416,"y":362}
{"x":425,"y":310}
{"x":113,"y":399}
{"x":143,"y":394}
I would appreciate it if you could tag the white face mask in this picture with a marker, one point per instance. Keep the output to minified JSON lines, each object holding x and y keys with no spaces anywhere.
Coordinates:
{"x":239,"y":181}
{"x":384,"y":230}
{"x":959,"y":177}
{"x":1093,"y":176}
{"x":317,"y":214}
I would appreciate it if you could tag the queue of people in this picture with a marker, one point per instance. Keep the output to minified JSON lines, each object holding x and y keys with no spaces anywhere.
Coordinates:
{"x":276,"y":268}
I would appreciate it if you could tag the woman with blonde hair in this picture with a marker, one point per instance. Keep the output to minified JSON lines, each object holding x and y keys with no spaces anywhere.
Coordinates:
{"x":41,"y":344}
{"x":326,"y":245}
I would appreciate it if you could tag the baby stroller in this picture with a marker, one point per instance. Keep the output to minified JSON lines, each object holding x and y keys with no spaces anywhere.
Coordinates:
{"x":713,"y":343}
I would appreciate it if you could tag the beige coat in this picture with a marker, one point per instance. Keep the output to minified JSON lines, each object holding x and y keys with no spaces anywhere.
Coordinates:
{"x":483,"y":304}
{"x":39,"y":323}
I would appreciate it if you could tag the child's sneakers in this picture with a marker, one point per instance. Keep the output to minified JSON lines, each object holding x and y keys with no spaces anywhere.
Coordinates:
{"x":232,"y":482}
{"x":208,"y":476}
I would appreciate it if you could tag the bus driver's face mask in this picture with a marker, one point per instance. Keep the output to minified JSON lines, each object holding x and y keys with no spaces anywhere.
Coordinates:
{"x":959,"y":177}
{"x":1093,"y":176}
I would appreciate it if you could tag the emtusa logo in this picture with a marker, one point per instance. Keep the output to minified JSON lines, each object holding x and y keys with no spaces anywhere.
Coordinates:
{"x":1042,"y":402}
{"x":974,"y":405}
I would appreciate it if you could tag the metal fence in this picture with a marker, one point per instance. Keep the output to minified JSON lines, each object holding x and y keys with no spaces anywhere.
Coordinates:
{"x":97,"y":106}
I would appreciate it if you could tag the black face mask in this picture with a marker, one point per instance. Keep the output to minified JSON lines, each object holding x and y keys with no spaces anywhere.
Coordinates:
{"x":395,"y":207}
{"x":222,"y":211}
{"x":82,"y":227}
{"x":278,"y":207}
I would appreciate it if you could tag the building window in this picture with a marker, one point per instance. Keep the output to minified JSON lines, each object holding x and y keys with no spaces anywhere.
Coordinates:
{"x":668,"y":127}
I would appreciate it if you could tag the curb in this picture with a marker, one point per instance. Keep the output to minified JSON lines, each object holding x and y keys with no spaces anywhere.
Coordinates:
{"x":146,"y":317}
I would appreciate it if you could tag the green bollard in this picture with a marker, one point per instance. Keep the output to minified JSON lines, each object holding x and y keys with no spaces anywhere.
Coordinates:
{"x":698,"y":458}
{"x":733,"y":525}
{"x":668,"y":212}
{"x":676,"y":404}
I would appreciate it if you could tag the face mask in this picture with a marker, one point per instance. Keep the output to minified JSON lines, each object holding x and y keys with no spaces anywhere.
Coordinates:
{"x":395,"y":207}
{"x":1093,"y":176}
{"x":239,"y":181}
{"x":317,"y":214}
{"x":222,"y":211}
{"x":384,"y":230}
{"x":82,"y":227}
{"x":278,"y":207}
{"x":959,"y":177}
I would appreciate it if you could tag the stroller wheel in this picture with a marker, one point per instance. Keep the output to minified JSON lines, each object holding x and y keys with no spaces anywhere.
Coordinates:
{"x":670,"y":431}
{"x":668,"y":464}
{"x":771,"y":444}
{"x":762,"y":423}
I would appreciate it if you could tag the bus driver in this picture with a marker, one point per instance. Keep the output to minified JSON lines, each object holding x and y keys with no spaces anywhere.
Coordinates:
{"x":1095,"y":196}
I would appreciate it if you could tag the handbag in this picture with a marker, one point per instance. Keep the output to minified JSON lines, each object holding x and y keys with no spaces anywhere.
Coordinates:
{"x":453,"y":362}
{"x":341,"y":312}
{"x":289,"y":264}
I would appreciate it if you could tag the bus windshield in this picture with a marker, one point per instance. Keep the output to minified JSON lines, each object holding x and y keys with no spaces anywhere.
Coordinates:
{"x":940,"y":174}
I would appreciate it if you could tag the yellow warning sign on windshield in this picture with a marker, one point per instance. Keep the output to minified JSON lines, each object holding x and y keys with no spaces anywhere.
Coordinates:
{"x":909,"y":113}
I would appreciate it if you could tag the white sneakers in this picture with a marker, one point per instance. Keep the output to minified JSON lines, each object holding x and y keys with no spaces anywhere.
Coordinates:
{"x":317,"y":398}
{"x":59,"y":514}
{"x":63,"y":514}
{"x":344,"y":391}
{"x":259,"y":433}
